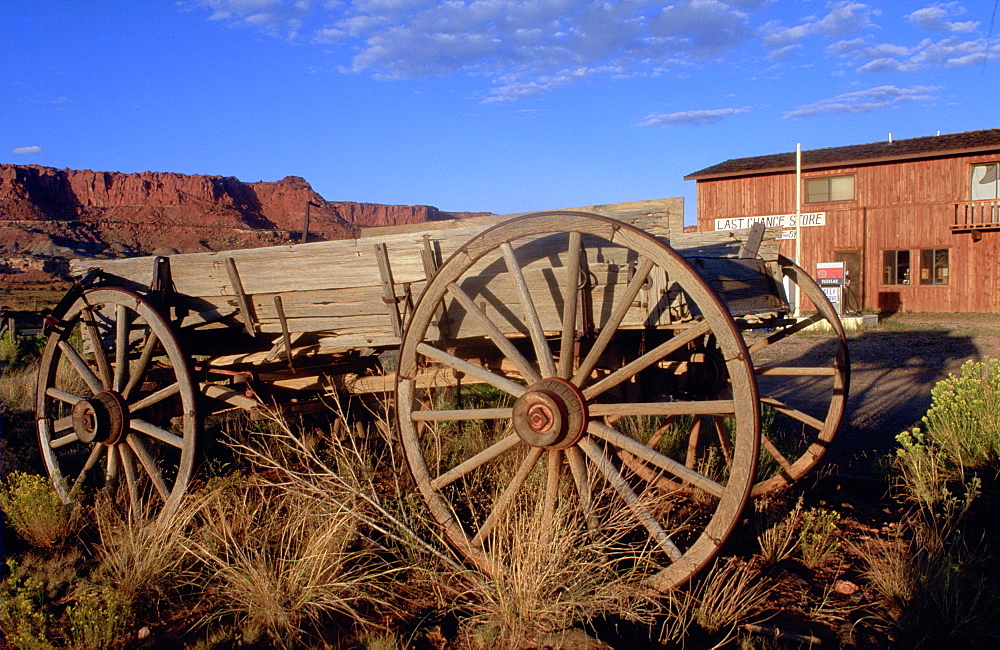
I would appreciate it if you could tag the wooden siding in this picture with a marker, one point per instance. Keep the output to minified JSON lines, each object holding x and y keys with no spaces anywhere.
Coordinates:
{"x":897,"y":206}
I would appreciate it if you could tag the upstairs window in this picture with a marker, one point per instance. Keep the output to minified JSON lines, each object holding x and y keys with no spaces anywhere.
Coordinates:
{"x":985,"y":183}
{"x":895,"y":267}
{"x":830,"y":188}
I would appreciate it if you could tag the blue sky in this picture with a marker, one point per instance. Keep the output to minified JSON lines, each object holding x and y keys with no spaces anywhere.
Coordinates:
{"x":487,"y":105}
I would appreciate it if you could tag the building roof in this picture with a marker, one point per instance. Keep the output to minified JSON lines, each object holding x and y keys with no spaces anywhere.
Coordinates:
{"x":886,"y":151}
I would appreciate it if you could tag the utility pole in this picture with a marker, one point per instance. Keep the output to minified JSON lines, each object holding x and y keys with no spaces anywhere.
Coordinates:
{"x":798,"y":222}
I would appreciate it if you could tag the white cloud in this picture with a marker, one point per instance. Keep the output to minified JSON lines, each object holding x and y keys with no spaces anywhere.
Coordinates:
{"x":707,"y":27}
{"x":842,"y":19}
{"x":866,"y":101}
{"x":691,"y":118}
{"x":27,"y":151}
{"x":523,"y":48}
{"x":277,"y":17}
{"x":949,"y":53}
{"x":934,"y":18}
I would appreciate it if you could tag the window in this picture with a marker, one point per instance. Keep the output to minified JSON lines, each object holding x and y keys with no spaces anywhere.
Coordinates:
{"x":830,"y":188}
{"x":934,"y":266}
{"x":985,"y":183}
{"x":895,"y":267}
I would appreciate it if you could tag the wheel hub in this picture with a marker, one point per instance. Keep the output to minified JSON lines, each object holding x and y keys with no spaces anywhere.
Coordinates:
{"x":102,"y":418}
{"x":551,"y":414}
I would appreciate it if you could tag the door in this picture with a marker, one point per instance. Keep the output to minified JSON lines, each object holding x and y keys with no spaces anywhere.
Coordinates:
{"x":854,"y":289}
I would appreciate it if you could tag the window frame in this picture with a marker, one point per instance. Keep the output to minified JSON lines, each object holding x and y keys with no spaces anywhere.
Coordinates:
{"x":828,"y":181}
{"x":933,"y":268}
{"x":995,"y":182}
{"x":891,"y":271}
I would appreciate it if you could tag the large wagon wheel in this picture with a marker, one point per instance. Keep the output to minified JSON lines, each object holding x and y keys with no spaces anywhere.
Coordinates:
{"x":115,"y":405}
{"x":548,"y":342}
{"x":803,"y":375}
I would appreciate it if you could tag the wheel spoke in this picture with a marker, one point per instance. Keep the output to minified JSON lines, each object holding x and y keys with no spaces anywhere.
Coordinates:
{"x":705,"y":407}
{"x":63,"y":396}
{"x":805,"y":418}
{"x":665,"y":463}
{"x":507,"y":498}
{"x":694,"y":441}
{"x":796,"y":371}
{"x":154,"y":431}
{"x":570,"y":297}
{"x":62,"y":424}
{"x":95,"y":454}
{"x":121,"y":346}
{"x":62,"y":441}
{"x":659,"y":433}
{"x":90,"y":330}
{"x":153,"y":398}
{"x":543,"y":352}
{"x":138,"y":371}
{"x":142,"y":453}
{"x":768,"y":444}
{"x":578,"y":468}
{"x":436,"y":415}
{"x":113,"y":467}
{"x":470,"y":464}
{"x":478,"y":372}
{"x":493,"y":332}
{"x":724,"y":442}
{"x":609,"y":328}
{"x":631,"y":499}
{"x":81,"y":367}
{"x":642,"y":362}
{"x":128,"y":464}
{"x":786,"y":332}
{"x":552,"y":474}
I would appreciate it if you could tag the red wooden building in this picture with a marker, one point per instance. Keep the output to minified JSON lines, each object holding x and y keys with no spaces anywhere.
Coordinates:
{"x":916,"y":221}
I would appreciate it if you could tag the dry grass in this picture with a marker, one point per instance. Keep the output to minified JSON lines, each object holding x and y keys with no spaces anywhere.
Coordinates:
{"x":730,"y":595}
{"x":141,"y":560}
{"x":274,"y":564}
{"x":17,"y":388}
{"x":779,"y":528}
{"x":547,"y":579}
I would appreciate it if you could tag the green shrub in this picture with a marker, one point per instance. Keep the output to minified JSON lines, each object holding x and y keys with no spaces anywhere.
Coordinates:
{"x":24,"y":620}
{"x":960,"y":435}
{"x":964,"y":418}
{"x":35,"y":511}
{"x":18,"y":351}
{"x":98,"y":618}
{"x":818,"y":536}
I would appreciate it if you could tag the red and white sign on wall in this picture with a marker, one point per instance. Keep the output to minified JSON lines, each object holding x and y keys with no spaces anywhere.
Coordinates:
{"x":830,"y":272}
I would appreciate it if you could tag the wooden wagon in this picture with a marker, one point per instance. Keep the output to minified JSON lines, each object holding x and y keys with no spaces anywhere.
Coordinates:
{"x":610,"y":363}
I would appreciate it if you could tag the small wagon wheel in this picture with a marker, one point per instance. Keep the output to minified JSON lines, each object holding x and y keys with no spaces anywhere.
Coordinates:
{"x":115,"y":404}
{"x":803,"y":376}
{"x":534,"y":308}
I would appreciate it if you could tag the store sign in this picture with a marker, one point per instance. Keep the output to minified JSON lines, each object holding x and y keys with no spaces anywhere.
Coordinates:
{"x":784,"y":221}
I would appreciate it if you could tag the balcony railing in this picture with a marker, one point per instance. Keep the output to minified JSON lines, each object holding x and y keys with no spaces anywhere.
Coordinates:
{"x":976,"y":216}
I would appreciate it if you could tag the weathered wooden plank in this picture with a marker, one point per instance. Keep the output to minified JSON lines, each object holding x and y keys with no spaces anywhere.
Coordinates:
{"x":336,"y":264}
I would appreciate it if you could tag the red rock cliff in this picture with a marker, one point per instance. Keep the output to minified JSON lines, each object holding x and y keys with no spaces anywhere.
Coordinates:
{"x":61,"y":212}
